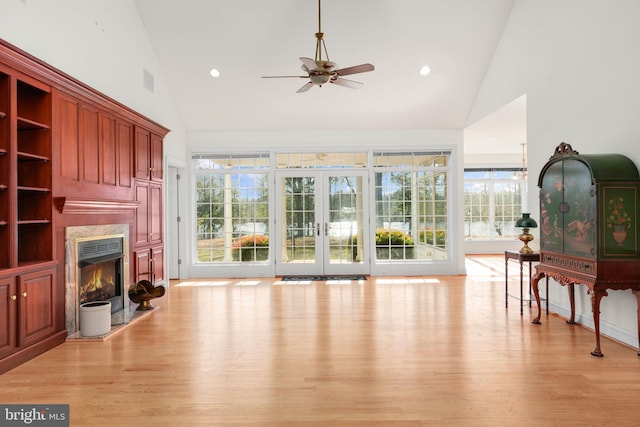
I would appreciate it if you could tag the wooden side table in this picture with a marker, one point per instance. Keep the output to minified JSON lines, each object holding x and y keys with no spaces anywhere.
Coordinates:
{"x":521,"y":258}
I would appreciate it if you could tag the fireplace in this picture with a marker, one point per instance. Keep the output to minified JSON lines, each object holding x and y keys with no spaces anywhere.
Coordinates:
{"x":100,"y":271}
{"x":96,"y":256}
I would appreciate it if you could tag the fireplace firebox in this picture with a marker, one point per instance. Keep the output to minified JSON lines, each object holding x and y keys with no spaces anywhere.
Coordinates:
{"x":100,"y":271}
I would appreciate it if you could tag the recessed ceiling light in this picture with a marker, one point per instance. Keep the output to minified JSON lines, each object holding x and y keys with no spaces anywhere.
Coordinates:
{"x":214,"y":73}
{"x":425,"y":70}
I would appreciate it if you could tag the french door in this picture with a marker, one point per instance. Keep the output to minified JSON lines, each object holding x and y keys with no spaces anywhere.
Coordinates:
{"x":321,"y":223}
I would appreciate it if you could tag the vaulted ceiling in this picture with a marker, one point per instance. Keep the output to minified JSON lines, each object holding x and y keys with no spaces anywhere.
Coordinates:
{"x":248,"y":39}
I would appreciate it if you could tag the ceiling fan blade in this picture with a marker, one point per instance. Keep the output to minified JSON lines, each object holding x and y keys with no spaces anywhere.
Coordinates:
{"x":362,"y":68}
{"x":285,"y":77}
{"x":309,"y":63}
{"x":305,"y":88}
{"x":346,"y":83}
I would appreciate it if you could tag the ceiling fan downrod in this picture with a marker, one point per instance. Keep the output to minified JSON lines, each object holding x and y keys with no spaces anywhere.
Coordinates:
{"x":320,"y":45}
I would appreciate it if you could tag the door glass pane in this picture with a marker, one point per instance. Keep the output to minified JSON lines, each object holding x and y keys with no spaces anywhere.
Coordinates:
{"x":299,"y":219}
{"x":345,"y":220}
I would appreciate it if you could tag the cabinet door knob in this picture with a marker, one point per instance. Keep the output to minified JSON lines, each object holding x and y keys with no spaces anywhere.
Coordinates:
{"x":24,"y":294}
{"x":13,"y":297}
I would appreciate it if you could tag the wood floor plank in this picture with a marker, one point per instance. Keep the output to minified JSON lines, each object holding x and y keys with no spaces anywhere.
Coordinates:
{"x":385,"y":351}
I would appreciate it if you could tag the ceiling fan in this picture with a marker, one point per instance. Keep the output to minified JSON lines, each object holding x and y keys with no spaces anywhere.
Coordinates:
{"x":320,"y":70}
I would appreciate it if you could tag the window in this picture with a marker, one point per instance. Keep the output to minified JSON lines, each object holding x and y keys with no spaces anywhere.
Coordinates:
{"x":411,"y":206}
{"x":232,"y":208}
{"x":492,"y":203}
{"x":351,"y":160}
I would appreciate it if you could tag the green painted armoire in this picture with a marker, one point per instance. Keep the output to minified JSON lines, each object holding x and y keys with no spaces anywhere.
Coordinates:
{"x":588,"y":226}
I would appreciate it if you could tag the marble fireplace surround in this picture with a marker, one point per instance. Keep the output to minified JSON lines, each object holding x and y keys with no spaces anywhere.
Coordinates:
{"x":88,"y":232}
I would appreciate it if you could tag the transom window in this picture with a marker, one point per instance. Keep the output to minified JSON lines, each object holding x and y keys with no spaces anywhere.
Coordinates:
{"x":321,"y":160}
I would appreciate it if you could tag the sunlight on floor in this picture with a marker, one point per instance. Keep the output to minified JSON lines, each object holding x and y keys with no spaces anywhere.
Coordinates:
{"x":404,"y":281}
{"x":205,"y":283}
{"x":292,"y":282}
{"x":345,"y":282}
{"x":479,"y":269}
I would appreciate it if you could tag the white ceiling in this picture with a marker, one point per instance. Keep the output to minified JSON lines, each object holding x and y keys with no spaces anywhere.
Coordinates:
{"x":503,"y":131}
{"x":247,"y":39}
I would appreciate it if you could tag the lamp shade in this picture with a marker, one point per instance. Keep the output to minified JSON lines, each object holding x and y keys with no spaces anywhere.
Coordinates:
{"x":526,"y":221}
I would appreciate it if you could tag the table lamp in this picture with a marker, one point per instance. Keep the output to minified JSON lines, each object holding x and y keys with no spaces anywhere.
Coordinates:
{"x":526,"y":222}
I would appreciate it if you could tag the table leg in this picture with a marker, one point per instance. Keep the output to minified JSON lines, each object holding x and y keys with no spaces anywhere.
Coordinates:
{"x":572,"y":302}
{"x":637,"y":294}
{"x":547,"y":294}
{"x":529,"y":284}
{"x":506,"y":281}
{"x":596,"y":296}
{"x":521,"y":287}
{"x":536,"y":294}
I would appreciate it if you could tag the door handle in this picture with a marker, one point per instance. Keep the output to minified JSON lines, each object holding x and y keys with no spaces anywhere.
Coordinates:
{"x":318,"y":228}
{"x":326,"y":228}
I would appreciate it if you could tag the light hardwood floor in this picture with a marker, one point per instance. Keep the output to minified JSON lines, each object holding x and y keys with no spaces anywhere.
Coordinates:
{"x":409,"y":351}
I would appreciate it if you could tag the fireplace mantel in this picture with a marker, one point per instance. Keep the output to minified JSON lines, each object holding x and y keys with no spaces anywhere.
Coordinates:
{"x":69,"y":205}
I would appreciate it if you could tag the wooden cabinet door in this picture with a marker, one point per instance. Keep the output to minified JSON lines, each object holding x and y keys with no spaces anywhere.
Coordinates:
{"x":142,"y":213}
{"x":156,"y":158}
{"x":142,"y":265}
{"x":142,"y":153}
{"x":36,"y":302}
{"x":157,"y":265}
{"x":148,"y":155}
{"x":155,"y":214}
{"x":148,"y":213}
{"x":149,"y":265}
{"x":8,"y":302}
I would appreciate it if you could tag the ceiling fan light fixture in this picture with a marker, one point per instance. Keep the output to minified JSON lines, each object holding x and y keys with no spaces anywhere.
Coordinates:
{"x":319,"y":79}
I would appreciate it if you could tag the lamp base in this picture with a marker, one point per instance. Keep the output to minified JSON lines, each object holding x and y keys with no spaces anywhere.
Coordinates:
{"x":525,"y":237}
{"x":526,"y":250}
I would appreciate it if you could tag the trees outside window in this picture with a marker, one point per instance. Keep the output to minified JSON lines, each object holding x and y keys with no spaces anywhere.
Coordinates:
{"x":492,"y":203}
{"x":232,"y":210}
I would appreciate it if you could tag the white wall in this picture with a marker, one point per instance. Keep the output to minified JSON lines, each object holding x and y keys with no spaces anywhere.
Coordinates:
{"x":101,"y":43}
{"x":577,"y":63}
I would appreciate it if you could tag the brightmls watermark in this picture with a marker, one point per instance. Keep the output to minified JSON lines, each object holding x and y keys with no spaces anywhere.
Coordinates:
{"x":34,"y":415}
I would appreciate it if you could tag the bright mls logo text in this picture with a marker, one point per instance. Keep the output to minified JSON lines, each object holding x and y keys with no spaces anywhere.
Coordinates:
{"x":39,"y":415}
